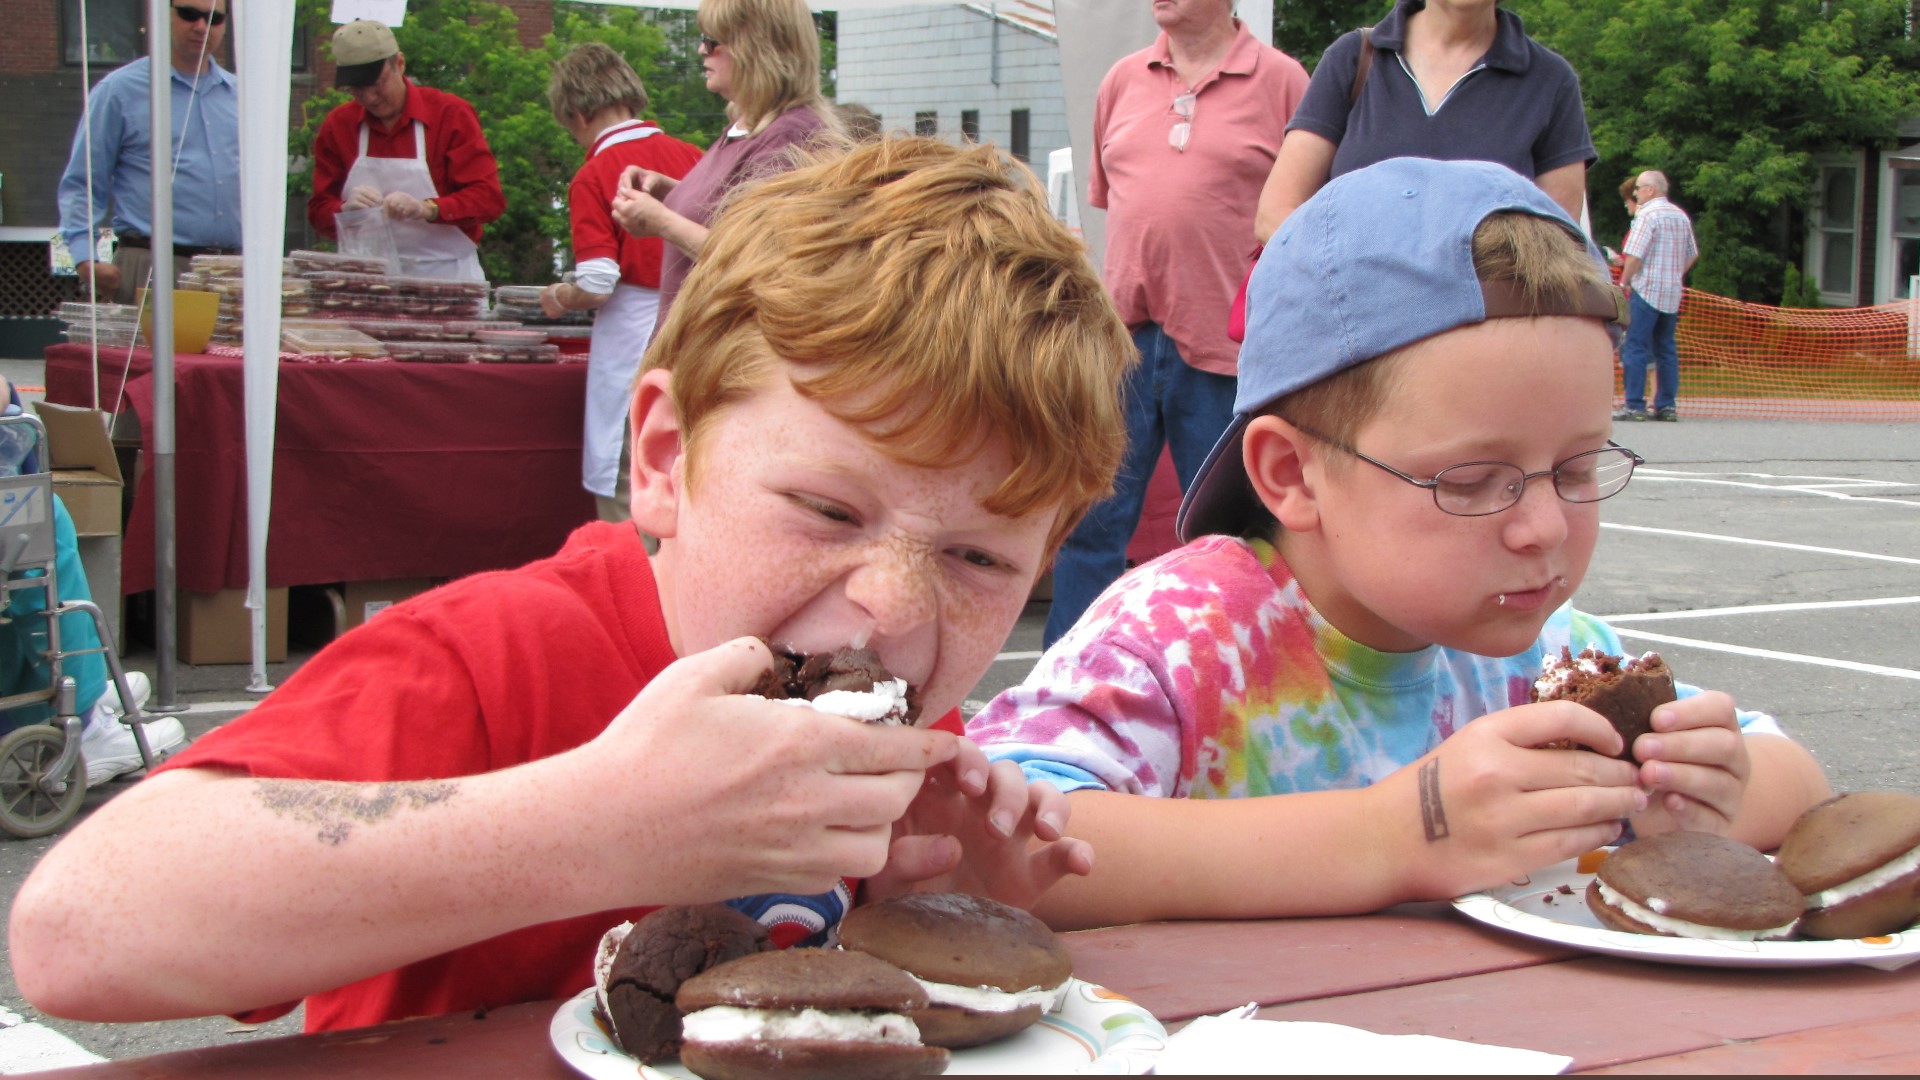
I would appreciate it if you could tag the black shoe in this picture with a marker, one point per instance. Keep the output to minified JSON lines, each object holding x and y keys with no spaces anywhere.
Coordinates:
{"x":1669,"y":413}
{"x":1630,"y":414}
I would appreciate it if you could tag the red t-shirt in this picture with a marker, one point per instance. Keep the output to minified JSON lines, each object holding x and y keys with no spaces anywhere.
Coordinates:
{"x":458,"y":158}
{"x":494,"y":670}
{"x":590,"y":198}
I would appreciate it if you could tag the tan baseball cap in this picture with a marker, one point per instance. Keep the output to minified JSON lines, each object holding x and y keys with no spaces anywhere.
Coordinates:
{"x":360,"y":50}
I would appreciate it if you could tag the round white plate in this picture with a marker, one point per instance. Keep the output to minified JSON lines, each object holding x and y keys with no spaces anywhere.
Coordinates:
{"x":1551,"y":905}
{"x":1090,"y":1022}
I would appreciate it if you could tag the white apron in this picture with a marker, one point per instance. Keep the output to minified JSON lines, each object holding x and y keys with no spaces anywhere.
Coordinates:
{"x":620,"y":331}
{"x":427,"y":248}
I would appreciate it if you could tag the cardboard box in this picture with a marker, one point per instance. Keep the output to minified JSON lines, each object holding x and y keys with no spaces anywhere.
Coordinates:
{"x":365,"y":599}
{"x":217,"y":628}
{"x":86,"y":471}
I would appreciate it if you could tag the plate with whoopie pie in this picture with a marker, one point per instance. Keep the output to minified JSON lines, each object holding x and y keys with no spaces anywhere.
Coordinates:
{"x":1089,"y":1022}
{"x":1685,"y":883}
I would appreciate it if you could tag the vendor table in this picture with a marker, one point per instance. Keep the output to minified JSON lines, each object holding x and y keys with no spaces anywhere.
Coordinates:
{"x":1415,"y":969}
{"x":381,"y":469}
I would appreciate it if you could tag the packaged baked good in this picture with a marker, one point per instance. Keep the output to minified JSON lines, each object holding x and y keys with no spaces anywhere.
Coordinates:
{"x":305,"y":261}
{"x":430,"y":352}
{"x":339,"y":342}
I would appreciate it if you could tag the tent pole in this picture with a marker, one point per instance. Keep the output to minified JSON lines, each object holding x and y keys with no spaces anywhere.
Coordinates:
{"x":160,"y":298}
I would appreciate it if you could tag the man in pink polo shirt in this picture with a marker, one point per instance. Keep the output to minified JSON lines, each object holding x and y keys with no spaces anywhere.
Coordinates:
{"x":1185,"y":132}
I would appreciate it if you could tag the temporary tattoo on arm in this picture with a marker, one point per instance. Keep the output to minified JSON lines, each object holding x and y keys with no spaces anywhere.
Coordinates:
{"x":1433,"y":814}
{"x":334,"y":808}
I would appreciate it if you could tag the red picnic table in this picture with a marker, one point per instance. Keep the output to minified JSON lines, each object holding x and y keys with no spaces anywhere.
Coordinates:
{"x":1418,"y":968}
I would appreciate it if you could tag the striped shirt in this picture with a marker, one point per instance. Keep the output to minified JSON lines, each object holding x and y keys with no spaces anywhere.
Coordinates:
{"x":1662,"y":238}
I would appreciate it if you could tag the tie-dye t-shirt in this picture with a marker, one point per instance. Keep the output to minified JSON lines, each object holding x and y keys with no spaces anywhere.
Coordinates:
{"x":1207,"y":674}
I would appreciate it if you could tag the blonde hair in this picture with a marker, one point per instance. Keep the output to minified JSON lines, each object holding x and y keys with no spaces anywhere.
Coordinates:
{"x":590,"y":78}
{"x":776,"y":58}
{"x":924,"y":294}
{"x":1548,"y":264}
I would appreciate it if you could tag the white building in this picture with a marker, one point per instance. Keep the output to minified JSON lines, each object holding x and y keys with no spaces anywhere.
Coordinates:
{"x":987,"y":72}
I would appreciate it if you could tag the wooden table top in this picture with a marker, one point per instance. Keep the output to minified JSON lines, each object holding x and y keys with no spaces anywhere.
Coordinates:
{"x":1416,"y":969}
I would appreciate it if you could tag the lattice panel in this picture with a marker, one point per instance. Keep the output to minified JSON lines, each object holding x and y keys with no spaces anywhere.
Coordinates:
{"x":27,"y":289}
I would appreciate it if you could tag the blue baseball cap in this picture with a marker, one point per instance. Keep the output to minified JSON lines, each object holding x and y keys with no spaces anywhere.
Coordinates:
{"x":1378,"y":259}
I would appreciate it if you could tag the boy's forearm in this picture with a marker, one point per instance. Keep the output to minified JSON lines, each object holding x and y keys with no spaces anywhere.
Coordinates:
{"x":1785,"y":781}
{"x":1320,"y":853}
{"x":235,"y":880}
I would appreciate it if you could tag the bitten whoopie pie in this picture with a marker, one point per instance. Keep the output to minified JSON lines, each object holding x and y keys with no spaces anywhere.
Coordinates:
{"x":1857,"y":859}
{"x":1624,"y":691}
{"x":988,"y":969}
{"x":1694,"y":885}
{"x":804,"y":1014}
{"x":850,"y":682}
{"x":642,"y":964}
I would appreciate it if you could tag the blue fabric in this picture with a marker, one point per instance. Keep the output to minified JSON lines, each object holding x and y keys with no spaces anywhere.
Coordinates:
{"x":1650,"y":337}
{"x":1168,"y":403}
{"x":23,"y":640}
{"x":206,"y":187}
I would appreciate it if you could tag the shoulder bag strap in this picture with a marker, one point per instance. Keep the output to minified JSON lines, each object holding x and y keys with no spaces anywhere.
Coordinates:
{"x":1364,"y":67}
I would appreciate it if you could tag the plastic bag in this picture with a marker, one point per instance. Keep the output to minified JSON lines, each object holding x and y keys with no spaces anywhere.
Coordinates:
{"x":368,"y":233}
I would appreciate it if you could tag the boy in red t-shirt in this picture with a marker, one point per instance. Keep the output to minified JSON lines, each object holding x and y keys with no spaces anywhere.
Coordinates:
{"x":597,"y":97}
{"x":886,"y":393}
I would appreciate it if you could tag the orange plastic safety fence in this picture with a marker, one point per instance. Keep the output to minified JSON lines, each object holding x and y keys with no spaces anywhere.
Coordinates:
{"x":1762,"y":362}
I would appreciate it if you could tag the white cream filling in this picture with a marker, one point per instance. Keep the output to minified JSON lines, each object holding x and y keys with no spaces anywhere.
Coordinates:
{"x":987,"y":999}
{"x":1558,"y":673}
{"x":886,"y":702}
{"x":1875,"y":878}
{"x":1650,"y":915}
{"x":729,"y":1023}
{"x":603,"y":963}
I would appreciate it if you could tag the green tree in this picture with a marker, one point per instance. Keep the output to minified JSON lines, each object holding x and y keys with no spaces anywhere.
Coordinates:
{"x":472,"y":48}
{"x":1304,"y":28}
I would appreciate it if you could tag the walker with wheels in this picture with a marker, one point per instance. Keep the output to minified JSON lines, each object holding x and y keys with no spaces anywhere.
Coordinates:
{"x":43,"y":780}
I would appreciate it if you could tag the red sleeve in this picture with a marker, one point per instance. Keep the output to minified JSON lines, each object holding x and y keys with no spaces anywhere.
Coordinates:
{"x":464,"y":170}
{"x":590,"y":211}
{"x":334,"y":149}
{"x":950,"y":723}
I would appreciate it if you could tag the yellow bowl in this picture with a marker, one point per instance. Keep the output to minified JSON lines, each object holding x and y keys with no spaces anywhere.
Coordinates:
{"x":193,"y":315}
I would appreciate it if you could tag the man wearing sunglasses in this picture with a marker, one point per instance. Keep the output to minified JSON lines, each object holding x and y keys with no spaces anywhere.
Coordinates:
{"x":416,"y":151}
{"x":204,"y":153}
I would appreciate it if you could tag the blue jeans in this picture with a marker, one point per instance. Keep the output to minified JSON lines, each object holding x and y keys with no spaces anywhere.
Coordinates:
{"x":1168,"y":402}
{"x":1651,"y":331}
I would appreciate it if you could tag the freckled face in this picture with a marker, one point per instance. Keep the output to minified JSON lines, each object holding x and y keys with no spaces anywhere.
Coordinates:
{"x":802,"y":531}
{"x":1398,"y":573}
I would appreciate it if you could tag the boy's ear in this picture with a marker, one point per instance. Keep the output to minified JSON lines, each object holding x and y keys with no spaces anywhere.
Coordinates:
{"x":656,"y":455}
{"x":1274,"y":453}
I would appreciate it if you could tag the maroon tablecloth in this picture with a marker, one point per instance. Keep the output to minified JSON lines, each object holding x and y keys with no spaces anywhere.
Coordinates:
{"x":381,"y":470}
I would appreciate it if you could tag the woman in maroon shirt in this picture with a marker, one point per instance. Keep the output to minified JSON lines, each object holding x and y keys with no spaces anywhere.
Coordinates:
{"x":763,"y":56}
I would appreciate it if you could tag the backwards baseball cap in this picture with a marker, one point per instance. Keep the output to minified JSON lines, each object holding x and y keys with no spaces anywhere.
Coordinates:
{"x":360,"y":50}
{"x":1376,"y":260}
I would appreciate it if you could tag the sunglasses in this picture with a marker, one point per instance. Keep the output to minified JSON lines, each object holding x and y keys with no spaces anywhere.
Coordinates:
{"x":710,"y":44}
{"x":194,"y":15}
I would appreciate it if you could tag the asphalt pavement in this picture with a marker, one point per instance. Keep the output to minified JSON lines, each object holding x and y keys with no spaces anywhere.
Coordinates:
{"x":1779,"y":561}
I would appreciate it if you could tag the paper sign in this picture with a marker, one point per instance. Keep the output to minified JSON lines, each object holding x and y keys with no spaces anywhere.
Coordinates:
{"x":391,"y":12}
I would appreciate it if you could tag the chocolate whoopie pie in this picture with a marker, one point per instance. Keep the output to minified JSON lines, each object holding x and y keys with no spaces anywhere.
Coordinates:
{"x":800,"y":676}
{"x":642,"y":965}
{"x":1624,"y":691}
{"x":1695,"y":885}
{"x":805,"y":1014}
{"x":1857,"y":859}
{"x":989,"y":969}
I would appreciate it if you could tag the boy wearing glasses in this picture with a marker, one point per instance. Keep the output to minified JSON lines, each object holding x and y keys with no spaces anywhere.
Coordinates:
{"x":204,"y":148}
{"x":1327,"y":686}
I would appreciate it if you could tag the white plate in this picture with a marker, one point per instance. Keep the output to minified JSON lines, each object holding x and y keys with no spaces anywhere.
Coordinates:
{"x":1537,"y":908}
{"x":1091,"y":1021}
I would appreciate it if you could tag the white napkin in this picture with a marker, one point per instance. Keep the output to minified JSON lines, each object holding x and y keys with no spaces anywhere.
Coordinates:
{"x":1237,"y":1043}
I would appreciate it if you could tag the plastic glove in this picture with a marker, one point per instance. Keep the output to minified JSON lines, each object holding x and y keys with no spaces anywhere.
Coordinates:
{"x":404,"y":207}
{"x":364,"y":197}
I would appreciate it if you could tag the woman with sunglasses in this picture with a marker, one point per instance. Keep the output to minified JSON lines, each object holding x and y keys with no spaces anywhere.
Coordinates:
{"x":763,"y":56}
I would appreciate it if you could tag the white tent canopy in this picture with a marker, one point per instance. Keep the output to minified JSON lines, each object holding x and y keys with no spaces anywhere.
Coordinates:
{"x":1093,"y":34}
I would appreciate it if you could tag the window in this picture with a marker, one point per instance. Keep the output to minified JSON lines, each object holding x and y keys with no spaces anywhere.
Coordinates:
{"x":1833,"y":251}
{"x":926,"y":123}
{"x":1022,"y":137}
{"x":116,"y":31}
{"x":1904,"y":228}
{"x":970,"y":125}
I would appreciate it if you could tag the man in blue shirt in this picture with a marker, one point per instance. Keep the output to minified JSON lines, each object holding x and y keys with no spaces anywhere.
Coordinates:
{"x":206,"y":143}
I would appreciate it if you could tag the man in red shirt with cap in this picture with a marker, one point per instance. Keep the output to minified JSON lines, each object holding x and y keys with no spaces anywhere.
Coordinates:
{"x":412,"y":149}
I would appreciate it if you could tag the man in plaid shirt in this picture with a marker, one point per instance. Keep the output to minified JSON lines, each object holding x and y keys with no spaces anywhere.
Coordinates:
{"x":1660,"y":251}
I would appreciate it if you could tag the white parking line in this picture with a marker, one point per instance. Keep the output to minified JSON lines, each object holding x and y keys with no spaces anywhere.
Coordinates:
{"x":31,"y":1047}
{"x":1655,"y":477}
{"x":1753,"y":609}
{"x":1876,"y":556}
{"x":1769,"y":654}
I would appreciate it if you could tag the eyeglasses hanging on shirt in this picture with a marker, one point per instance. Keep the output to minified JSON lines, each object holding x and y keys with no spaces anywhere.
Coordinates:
{"x":194,"y":15}
{"x":1183,"y":128}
